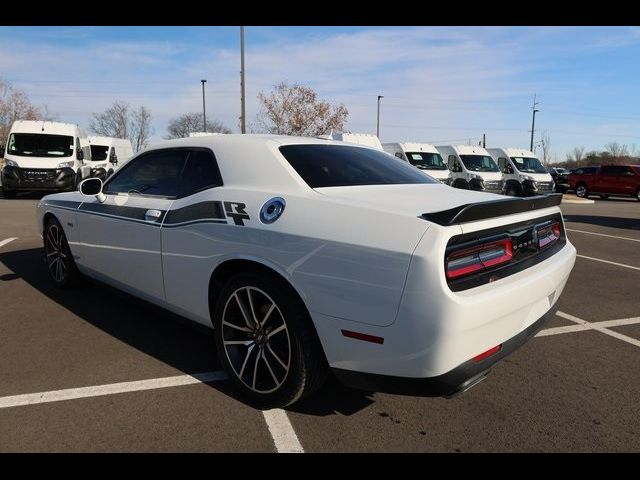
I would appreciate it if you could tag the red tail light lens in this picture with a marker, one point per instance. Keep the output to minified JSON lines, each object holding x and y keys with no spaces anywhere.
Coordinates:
{"x":481,"y":257}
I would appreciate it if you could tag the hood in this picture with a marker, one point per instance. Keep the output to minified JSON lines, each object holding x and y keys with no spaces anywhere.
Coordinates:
{"x":437,"y":174}
{"x":538,"y":177}
{"x":38,"y":162}
{"x":410,"y":200}
{"x":488,"y":176}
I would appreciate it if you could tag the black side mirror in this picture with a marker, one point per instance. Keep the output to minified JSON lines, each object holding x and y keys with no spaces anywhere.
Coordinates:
{"x":1,"y":151}
{"x":80,"y":154}
{"x":114,"y":159}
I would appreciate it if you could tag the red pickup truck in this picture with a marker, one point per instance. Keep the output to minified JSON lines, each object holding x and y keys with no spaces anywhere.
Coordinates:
{"x":606,"y":180}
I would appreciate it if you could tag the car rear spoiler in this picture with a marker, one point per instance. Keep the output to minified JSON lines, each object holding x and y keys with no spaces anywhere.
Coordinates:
{"x":495,"y":208}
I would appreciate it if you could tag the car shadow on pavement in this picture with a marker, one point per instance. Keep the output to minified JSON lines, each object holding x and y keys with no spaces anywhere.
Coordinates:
{"x":612,"y":222}
{"x":173,"y":340}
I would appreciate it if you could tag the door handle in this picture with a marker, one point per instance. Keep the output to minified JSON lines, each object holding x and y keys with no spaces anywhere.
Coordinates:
{"x":152,"y":215}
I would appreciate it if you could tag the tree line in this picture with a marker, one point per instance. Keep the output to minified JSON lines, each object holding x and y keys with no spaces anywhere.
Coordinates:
{"x":614,"y":153}
{"x":289,"y":109}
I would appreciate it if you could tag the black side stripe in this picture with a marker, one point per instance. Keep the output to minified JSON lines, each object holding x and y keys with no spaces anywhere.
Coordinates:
{"x":209,"y":211}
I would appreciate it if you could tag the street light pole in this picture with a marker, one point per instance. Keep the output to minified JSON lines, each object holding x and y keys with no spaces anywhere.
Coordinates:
{"x":204,"y":111}
{"x":243,"y":128}
{"x":533,"y":120}
{"x":378,"y":119}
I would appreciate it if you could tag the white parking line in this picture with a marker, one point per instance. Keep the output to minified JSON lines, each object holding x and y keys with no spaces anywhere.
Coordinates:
{"x":603,"y":235}
{"x":600,"y":329}
{"x":109,"y":389}
{"x":4,"y":242}
{"x":587,"y":326}
{"x":282,"y":432}
{"x":610,"y":262}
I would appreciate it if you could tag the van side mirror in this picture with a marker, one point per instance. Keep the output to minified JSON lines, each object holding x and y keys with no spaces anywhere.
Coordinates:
{"x":114,"y":159}
{"x":92,"y":187}
{"x":1,"y":151}
{"x":80,"y":154}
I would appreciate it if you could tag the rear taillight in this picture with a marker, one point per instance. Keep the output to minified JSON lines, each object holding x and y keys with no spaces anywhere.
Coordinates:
{"x":480,"y":257}
{"x":548,"y":235}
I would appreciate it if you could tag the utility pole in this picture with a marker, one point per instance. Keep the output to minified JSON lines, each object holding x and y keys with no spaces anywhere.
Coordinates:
{"x":243,"y":126}
{"x":204,"y":111}
{"x":484,"y":140}
{"x":378,"y":120}
{"x":533,"y":120}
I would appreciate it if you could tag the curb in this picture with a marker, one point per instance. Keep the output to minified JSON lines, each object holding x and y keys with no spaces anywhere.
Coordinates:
{"x":583,"y":202}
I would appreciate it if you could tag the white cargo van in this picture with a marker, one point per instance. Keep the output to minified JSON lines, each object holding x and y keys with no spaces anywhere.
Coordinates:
{"x":423,"y":156}
{"x":366,"y":139}
{"x":472,"y":168}
{"x":108,"y":154}
{"x":45,"y":156}
{"x":522,"y":172}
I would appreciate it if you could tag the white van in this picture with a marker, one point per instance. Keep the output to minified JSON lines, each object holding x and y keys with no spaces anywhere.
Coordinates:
{"x":108,"y":154}
{"x":45,"y":156}
{"x":366,"y":139}
{"x":472,"y":168}
{"x":423,"y":156}
{"x":523,"y":174}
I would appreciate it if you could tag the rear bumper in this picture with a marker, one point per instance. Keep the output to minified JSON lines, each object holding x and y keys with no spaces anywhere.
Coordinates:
{"x":15,"y":178}
{"x":450,"y":383}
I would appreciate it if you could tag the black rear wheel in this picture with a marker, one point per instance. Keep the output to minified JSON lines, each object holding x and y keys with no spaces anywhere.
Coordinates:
{"x":581,"y":191}
{"x":266,"y":341}
{"x":60,"y":264}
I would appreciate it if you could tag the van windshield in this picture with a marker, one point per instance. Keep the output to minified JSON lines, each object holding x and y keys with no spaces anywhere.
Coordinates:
{"x":528,"y":164}
{"x":99,"y":152}
{"x":479,"y":163}
{"x":426,"y":160}
{"x":40,"y":145}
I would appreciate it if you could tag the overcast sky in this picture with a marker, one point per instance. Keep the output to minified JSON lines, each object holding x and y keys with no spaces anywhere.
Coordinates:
{"x":440,"y":84}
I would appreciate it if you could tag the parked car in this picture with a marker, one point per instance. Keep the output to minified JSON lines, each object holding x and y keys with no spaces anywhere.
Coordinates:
{"x":560,"y":177}
{"x":423,"y":156}
{"x":472,"y":168}
{"x":307,"y":256}
{"x":108,"y":154}
{"x":522,"y":173}
{"x":606,"y":180}
{"x":41,"y":155}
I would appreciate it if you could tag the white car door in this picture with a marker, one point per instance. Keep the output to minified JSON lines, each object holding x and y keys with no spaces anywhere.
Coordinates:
{"x":120,"y":237}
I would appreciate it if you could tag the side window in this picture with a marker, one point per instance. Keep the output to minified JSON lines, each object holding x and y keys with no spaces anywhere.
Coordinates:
{"x":400,"y":156}
{"x":453,"y":163}
{"x":154,"y":173}
{"x":608,"y":171}
{"x":200,"y":173}
{"x":504,"y":166}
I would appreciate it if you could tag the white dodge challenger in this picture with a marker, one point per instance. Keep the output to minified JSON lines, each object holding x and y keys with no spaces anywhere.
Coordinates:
{"x":308,"y":256}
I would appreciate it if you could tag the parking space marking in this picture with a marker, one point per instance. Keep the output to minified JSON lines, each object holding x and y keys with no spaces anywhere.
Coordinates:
{"x":4,"y":242}
{"x":608,"y":261}
{"x":109,"y":389}
{"x":582,"y":327}
{"x":282,"y":432}
{"x":600,"y":329}
{"x":603,"y":235}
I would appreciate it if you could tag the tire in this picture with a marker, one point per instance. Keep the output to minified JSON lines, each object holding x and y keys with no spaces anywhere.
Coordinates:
{"x":461,"y":184}
{"x":58,"y":257}
{"x":603,"y":196}
{"x":8,"y":193}
{"x":281,"y":361}
{"x":582,"y":191}
{"x":511,"y":192}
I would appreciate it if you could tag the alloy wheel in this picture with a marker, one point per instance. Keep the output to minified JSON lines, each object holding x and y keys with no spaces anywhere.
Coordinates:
{"x":57,"y":259}
{"x":256,"y":340}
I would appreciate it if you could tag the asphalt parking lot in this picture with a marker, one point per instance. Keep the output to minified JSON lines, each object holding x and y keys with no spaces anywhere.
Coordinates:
{"x":95,"y":370}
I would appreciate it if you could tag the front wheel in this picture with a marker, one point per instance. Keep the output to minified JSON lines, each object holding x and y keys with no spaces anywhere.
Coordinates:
{"x":511,"y":192}
{"x":60,"y":264}
{"x":266,"y":341}
{"x":581,"y":191}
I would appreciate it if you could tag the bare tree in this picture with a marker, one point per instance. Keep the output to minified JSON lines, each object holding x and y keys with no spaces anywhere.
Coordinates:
{"x":140,"y":128}
{"x":616,"y":150}
{"x":121,"y":121}
{"x":14,"y":105}
{"x":545,"y":144}
{"x":187,"y":123}
{"x":113,"y":122}
{"x":296,"y":110}
{"x":578,"y":154}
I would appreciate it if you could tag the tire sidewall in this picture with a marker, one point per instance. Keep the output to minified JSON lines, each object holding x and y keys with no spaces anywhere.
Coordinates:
{"x":297,"y":321}
{"x":585,"y":193}
{"x":69,"y":277}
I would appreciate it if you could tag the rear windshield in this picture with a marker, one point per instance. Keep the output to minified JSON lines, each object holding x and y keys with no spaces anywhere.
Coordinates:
{"x":99,"y":152}
{"x":341,"y":166}
{"x":426,"y":160}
